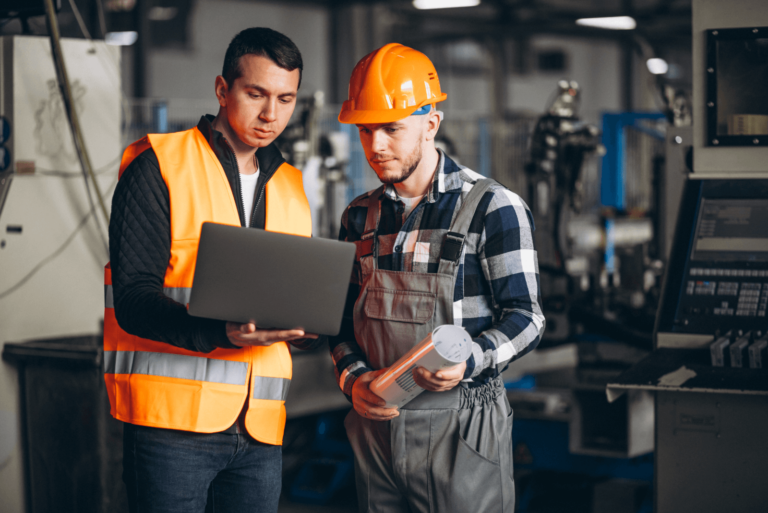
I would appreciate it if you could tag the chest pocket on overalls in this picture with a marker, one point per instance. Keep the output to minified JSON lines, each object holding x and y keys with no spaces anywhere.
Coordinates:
{"x":400,"y":305}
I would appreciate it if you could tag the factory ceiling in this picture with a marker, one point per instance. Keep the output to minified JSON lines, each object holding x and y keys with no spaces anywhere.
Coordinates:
{"x":660,"y":22}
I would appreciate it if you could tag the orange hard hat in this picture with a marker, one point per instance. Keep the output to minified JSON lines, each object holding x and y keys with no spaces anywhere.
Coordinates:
{"x":390,"y":84}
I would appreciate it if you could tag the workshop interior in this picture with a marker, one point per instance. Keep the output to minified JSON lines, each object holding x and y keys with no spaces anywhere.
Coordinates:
{"x":636,"y":131}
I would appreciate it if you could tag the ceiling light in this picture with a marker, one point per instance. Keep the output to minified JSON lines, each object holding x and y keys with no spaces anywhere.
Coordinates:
{"x":657,"y":66}
{"x":121,"y":38}
{"x":444,"y":4}
{"x":610,"y":23}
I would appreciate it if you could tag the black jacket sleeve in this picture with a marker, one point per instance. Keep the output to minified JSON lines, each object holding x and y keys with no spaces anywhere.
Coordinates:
{"x":139,"y":250}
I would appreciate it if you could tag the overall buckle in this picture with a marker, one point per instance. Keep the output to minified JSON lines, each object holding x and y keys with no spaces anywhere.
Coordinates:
{"x":452,"y":247}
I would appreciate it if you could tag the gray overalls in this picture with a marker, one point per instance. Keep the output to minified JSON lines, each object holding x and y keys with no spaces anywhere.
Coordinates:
{"x":447,"y":451}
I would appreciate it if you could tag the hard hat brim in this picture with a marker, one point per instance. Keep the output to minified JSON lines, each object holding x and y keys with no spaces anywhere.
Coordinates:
{"x":364,"y":117}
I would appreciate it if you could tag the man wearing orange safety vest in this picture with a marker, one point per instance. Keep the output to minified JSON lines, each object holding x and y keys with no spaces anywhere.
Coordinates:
{"x":437,"y":244}
{"x":203,"y":400}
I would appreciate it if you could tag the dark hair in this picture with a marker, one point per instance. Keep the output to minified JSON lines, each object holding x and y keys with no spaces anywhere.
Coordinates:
{"x":264,"y":42}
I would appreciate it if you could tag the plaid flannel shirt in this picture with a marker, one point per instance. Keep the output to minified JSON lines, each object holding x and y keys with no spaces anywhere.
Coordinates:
{"x":496,"y":293}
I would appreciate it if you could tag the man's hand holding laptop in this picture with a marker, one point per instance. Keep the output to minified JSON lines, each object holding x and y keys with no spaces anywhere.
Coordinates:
{"x":249,"y":335}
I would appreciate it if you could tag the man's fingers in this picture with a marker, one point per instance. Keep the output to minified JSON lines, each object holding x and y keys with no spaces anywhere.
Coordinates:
{"x":372,"y":412}
{"x":252,"y":336}
{"x":368,"y":404}
{"x":378,"y":405}
{"x":365,"y":401}
{"x":383,"y":416}
{"x":430,"y":381}
{"x":367,"y":393}
{"x":449,"y":375}
{"x":428,"y":384}
{"x":367,"y":377}
{"x":375,"y":374}
{"x":425,"y":375}
{"x":371,"y":398}
{"x":248,"y":327}
{"x":364,"y":393}
{"x":446,"y":375}
{"x":277,"y":335}
{"x":370,"y":376}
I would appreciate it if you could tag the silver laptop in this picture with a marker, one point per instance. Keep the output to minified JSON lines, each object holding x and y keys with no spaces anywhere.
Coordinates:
{"x":280,"y":281}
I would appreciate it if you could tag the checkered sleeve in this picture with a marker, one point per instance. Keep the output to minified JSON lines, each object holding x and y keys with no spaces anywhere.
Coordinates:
{"x":348,"y":359}
{"x":508,"y":260}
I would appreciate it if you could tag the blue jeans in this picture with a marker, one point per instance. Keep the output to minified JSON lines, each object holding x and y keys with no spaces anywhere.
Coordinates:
{"x":167,"y":471}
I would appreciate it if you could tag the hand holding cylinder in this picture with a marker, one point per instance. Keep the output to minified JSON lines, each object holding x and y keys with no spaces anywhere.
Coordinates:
{"x":368,"y":404}
{"x":437,"y":364}
{"x":440,"y":381}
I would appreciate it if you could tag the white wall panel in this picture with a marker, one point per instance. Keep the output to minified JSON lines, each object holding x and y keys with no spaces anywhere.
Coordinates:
{"x":66,"y":295}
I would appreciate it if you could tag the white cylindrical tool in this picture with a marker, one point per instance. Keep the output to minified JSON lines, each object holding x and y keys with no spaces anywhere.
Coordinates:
{"x":446,"y":346}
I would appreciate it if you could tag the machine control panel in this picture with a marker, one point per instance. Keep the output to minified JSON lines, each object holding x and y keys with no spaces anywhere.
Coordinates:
{"x":726,"y":293}
{"x":723,"y":283}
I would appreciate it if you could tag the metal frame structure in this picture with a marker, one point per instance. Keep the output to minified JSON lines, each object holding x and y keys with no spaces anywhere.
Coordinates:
{"x":613,"y":178}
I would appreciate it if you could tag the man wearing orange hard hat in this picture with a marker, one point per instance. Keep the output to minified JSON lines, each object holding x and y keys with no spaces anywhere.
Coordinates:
{"x":437,"y":244}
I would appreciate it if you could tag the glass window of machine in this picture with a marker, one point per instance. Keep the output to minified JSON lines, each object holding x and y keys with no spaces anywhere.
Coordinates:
{"x":737,"y":98}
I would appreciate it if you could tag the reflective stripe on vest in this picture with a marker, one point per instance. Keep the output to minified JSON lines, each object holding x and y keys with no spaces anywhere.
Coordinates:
{"x":194,"y":368}
{"x":275,"y":389}
{"x":176,"y":366}
{"x":178,"y":294}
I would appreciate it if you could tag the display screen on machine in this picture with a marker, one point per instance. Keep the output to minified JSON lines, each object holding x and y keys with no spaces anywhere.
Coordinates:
{"x":724,"y":282}
{"x":732,"y":230}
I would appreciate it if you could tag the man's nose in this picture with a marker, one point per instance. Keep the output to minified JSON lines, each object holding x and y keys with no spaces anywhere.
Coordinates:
{"x":269,"y":112}
{"x":378,"y":141}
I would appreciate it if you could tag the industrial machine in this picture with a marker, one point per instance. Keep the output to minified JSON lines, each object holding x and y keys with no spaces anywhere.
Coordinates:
{"x":595,"y":239}
{"x":560,"y":145}
{"x":707,"y":369}
{"x":600,"y":258}
{"x":708,"y":365}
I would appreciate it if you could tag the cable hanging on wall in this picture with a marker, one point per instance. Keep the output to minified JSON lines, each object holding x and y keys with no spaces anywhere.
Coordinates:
{"x":66,"y":93}
{"x":13,"y":288}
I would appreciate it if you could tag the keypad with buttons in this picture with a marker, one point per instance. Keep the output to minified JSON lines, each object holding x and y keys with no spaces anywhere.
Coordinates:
{"x":710,"y":294}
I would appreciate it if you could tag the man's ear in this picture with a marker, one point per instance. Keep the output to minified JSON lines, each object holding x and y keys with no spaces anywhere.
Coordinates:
{"x":221,"y":89}
{"x":433,"y":124}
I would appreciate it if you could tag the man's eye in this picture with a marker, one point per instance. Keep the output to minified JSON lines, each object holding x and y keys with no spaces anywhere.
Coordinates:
{"x":391,"y":130}
{"x":365,"y":131}
{"x":252,"y":95}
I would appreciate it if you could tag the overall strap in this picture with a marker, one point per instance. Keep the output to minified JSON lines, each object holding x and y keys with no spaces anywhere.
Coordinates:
{"x":368,"y":245}
{"x":450,"y":253}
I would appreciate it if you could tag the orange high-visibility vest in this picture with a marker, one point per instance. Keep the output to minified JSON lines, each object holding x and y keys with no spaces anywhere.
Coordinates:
{"x":156,"y":384}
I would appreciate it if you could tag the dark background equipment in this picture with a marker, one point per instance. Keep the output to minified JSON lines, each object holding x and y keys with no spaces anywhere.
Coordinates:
{"x":72,"y":445}
{"x":710,"y":386}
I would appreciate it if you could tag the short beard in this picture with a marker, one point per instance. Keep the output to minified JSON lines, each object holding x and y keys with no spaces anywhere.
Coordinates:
{"x":409,"y":166}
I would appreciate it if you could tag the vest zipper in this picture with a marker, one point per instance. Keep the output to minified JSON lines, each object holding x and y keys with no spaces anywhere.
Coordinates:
{"x":258,"y":200}
{"x":244,"y":409}
{"x":255,"y":209}
{"x":239,"y":182}
{"x":242,"y":199}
